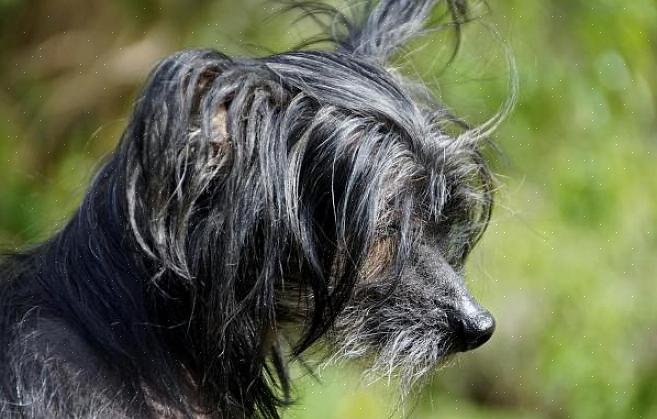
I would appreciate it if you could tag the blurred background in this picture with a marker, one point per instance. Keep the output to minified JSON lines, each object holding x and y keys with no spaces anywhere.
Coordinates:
{"x":568,"y":265}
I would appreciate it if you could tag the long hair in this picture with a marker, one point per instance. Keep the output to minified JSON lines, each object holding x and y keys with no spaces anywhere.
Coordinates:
{"x":246,"y":193}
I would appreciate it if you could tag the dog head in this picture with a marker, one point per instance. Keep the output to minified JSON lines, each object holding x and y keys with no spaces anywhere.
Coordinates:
{"x":312,"y":188}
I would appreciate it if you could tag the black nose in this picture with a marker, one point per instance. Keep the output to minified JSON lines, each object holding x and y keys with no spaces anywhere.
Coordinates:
{"x":474,"y":329}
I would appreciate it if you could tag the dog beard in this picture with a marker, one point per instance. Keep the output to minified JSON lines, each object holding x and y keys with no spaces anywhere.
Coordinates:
{"x":400,"y":339}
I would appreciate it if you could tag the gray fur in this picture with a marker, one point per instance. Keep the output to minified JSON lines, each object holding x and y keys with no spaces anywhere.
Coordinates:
{"x":312,"y":191}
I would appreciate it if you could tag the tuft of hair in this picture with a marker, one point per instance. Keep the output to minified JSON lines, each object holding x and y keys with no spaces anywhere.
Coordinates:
{"x":377,"y":29}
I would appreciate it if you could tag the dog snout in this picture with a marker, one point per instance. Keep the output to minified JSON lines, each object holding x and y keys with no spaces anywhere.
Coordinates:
{"x":473,"y":325}
{"x":477,"y":330}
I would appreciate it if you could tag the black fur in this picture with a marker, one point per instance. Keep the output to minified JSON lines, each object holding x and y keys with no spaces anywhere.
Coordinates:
{"x":252,"y":203}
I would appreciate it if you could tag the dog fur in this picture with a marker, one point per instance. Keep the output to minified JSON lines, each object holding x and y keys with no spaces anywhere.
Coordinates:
{"x":253,"y":207}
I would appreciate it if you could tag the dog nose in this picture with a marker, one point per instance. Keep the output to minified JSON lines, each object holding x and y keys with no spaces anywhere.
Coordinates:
{"x":475,"y":329}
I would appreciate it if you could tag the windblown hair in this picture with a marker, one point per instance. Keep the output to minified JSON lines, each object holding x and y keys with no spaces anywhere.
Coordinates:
{"x":245,"y":194}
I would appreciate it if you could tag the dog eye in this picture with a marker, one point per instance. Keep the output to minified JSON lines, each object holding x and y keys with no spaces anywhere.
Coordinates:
{"x":389,"y":231}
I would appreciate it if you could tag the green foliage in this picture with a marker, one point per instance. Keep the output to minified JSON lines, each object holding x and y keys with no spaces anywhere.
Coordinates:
{"x":567,"y":265}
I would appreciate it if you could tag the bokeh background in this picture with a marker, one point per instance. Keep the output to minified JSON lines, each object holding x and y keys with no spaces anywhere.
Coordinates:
{"x":568,"y":265}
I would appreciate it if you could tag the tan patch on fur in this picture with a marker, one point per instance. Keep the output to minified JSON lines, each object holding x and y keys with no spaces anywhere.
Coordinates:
{"x":379,"y":259}
{"x":220,"y":122}
{"x":220,"y":143}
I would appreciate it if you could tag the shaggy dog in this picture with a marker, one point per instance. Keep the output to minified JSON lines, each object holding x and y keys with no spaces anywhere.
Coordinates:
{"x":252,"y":207}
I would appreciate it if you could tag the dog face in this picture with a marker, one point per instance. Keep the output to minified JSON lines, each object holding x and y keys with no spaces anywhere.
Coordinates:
{"x":399,"y":203}
{"x":314,"y":188}
{"x":426,"y":202}
{"x":311,"y":188}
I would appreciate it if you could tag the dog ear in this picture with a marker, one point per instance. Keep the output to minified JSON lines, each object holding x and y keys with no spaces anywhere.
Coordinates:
{"x":212,"y":118}
{"x":171,"y":149}
{"x":179,"y":102}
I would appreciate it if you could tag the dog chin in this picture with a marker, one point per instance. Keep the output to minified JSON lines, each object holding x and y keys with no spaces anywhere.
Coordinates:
{"x":408,"y":361}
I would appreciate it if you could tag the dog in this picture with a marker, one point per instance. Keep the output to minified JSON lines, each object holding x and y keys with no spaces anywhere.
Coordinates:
{"x":253,"y":208}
